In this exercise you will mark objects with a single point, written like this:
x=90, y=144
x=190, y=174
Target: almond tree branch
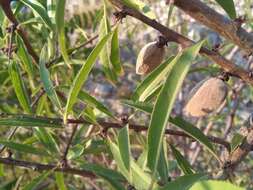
x=240, y=152
x=140, y=128
x=5, y=4
x=43, y=167
x=230, y=29
x=171, y=35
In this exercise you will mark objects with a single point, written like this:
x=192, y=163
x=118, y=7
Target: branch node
x=120, y=15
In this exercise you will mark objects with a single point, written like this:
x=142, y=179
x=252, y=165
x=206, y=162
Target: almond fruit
x=206, y=97
x=150, y=56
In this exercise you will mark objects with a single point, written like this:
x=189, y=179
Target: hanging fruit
x=150, y=56
x=207, y=96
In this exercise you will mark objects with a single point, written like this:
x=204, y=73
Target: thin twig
x=41, y=167
x=69, y=142
x=5, y=4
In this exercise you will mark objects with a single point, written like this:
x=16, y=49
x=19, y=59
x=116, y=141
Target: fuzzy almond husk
x=149, y=58
x=206, y=97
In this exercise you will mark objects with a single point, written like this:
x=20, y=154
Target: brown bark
x=223, y=25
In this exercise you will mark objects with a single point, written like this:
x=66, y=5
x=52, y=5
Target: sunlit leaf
x=60, y=181
x=23, y=148
x=38, y=8
x=83, y=74
x=213, y=185
x=228, y=6
x=124, y=146
x=19, y=87
x=59, y=20
x=183, y=182
x=45, y=78
x=182, y=162
x=165, y=101
x=28, y=121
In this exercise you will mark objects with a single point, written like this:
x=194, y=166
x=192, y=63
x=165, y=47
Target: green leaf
x=83, y=74
x=115, y=52
x=24, y=56
x=75, y=151
x=45, y=78
x=113, y=177
x=28, y=121
x=59, y=20
x=140, y=6
x=152, y=81
x=119, y=160
x=60, y=181
x=182, y=162
x=37, y=181
x=141, y=180
x=165, y=101
x=2, y=173
x=85, y=97
x=124, y=146
x=194, y=132
x=38, y=8
x=23, y=148
x=47, y=140
x=104, y=56
x=236, y=141
x=228, y=6
x=137, y=176
x=143, y=106
x=214, y=185
x=162, y=166
x=19, y=87
x=183, y=182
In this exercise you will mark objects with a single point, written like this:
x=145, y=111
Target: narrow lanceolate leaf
x=59, y=20
x=19, y=87
x=184, y=125
x=138, y=178
x=236, y=141
x=115, y=52
x=45, y=78
x=37, y=181
x=140, y=6
x=83, y=74
x=24, y=56
x=195, y=133
x=162, y=167
x=213, y=185
x=165, y=101
x=60, y=181
x=39, y=10
x=29, y=121
x=84, y=96
x=51, y=8
x=104, y=56
x=23, y=148
x=228, y=6
x=117, y=157
x=143, y=106
x=152, y=81
x=47, y=140
x=182, y=162
x=113, y=177
x=124, y=146
x=183, y=182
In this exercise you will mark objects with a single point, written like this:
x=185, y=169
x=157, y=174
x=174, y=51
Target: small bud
x=150, y=56
x=206, y=97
